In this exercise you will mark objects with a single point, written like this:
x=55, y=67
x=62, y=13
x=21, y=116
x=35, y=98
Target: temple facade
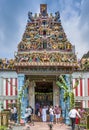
x=43, y=54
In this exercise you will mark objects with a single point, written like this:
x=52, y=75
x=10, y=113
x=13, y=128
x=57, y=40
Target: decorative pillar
x=55, y=94
x=67, y=104
x=62, y=103
x=31, y=92
x=24, y=99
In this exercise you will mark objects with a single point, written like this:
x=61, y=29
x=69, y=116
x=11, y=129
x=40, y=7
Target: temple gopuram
x=44, y=53
x=44, y=46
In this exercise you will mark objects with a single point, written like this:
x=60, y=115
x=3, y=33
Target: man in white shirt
x=44, y=114
x=72, y=114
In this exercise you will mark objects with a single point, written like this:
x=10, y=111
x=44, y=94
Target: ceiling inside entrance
x=42, y=78
x=45, y=87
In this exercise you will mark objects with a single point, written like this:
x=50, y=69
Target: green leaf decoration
x=67, y=93
x=63, y=80
x=60, y=85
x=72, y=99
x=76, y=84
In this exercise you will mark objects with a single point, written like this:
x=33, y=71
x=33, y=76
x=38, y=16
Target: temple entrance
x=44, y=93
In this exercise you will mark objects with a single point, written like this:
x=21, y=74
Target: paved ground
x=43, y=126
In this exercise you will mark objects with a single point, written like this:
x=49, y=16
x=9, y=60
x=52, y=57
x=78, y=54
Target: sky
x=14, y=15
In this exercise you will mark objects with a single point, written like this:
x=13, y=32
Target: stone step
x=43, y=126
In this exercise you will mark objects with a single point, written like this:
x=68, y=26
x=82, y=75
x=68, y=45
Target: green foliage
x=62, y=83
x=21, y=92
x=76, y=84
x=3, y=127
x=67, y=93
x=72, y=100
x=20, y=95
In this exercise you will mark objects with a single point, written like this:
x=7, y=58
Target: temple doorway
x=44, y=93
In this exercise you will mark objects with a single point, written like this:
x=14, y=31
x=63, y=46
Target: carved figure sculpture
x=57, y=16
x=30, y=17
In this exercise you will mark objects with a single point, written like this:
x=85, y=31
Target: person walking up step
x=72, y=114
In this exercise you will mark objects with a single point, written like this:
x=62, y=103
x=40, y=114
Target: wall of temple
x=9, y=83
x=82, y=91
x=8, y=88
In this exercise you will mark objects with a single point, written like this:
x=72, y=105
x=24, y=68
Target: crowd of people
x=42, y=112
x=52, y=114
x=47, y=114
x=45, y=111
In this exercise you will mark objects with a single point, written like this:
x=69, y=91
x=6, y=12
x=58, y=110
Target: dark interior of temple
x=44, y=93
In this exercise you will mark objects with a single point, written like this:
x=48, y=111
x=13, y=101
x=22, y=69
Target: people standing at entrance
x=51, y=114
x=28, y=113
x=37, y=108
x=40, y=113
x=44, y=114
x=57, y=111
x=72, y=114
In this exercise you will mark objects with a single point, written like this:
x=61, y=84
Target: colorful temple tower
x=43, y=54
